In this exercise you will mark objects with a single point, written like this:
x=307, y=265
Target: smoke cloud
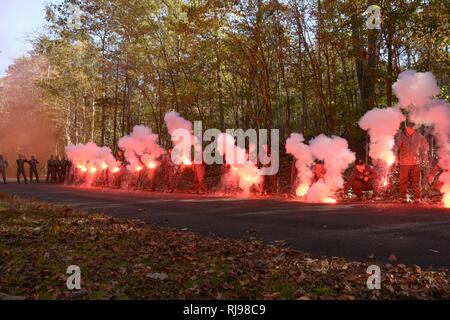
x=90, y=158
x=415, y=88
x=141, y=148
x=303, y=161
x=182, y=137
x=242, y=173
x=337, y=157
x=382, y=125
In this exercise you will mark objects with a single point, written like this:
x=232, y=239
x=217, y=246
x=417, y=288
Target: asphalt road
x=415, y=234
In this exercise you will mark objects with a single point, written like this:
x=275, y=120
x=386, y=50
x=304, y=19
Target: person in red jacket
x=411, y=149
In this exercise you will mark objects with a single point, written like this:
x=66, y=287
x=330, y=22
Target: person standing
x=21, y=160
x=410, y=148
x=3, y=167
x=170, y=172
x=33, y=169
x=65, y=166
x=50, y=164
x=57, y=170
x=199, y=177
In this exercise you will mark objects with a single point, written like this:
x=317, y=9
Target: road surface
x=415, y=234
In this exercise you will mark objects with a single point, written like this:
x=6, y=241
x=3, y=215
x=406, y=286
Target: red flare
x=446, y=200
x=302, y=190
x=187, y=162
x=82, y=168
x=151, y=165
x=329, y=200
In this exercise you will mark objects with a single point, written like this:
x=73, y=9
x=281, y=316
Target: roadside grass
x=124, y=259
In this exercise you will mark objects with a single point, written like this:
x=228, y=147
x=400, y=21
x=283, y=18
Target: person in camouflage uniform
x=33, y=169
x=3, y=167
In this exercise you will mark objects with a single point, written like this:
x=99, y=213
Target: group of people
x=146, y=178
x=56, y=169
x=411, y=149
x=21, y=171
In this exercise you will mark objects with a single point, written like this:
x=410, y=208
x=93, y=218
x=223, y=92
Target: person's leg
x=3, y=171
x=53, y=176
x=274, y=180
x=176, y=178
x=416, y=182
x=201, y=181
x=20, y=172
x=357, y=188
x=152, y=180
x=374, y=186
x=169, y=179
x=263, y=185
x=404, y=174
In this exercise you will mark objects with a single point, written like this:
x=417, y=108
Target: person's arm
x=397, y=145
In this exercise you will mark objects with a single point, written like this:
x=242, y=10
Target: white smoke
x=90, y=158
x=303, y=161
x=415, y=88
x=382, y=125
x=243, y=172
x=337, y=157
x=182, y=137
x=141, y=148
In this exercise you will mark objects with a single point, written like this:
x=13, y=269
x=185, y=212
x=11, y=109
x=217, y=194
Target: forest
x=100, y=67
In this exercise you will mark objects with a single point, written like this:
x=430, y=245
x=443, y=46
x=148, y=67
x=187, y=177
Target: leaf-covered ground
x=122, y=259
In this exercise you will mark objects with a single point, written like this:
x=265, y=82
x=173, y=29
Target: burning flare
x=302, y=190
x=446, y=200
x=151, y=165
